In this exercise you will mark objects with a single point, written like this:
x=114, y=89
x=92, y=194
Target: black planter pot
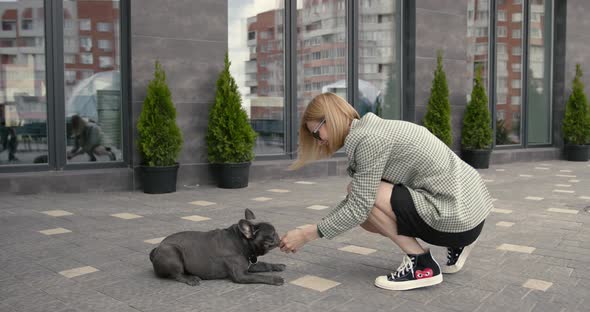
x=232, y=175
x=478, y=159
x=159, y=180
x=577, y=152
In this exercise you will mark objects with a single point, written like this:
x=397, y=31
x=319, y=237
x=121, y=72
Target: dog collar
x=253, y=259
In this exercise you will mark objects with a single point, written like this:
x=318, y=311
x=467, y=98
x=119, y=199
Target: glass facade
x=335, y=44
x=92, y=80
x=509, y=60
x=257, y=54
x=89, y=104
x=23, y=94
x=539, y=72
x=379, y=64
x=321, y=50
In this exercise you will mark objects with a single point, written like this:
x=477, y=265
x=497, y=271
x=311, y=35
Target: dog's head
x=262, y=235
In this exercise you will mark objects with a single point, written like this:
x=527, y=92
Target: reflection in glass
x=379, y=59
x=538, y=100
x=321, y=50
x=23, y=105
x=256, y=52
x=508, y=73
x=92, y=80
x=478, y=40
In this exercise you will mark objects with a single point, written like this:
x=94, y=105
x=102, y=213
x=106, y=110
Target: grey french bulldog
x=192, y=256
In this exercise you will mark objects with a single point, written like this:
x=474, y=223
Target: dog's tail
x=153, y=254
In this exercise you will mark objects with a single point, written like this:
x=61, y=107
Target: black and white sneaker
x=456, y=258
x=416, y=271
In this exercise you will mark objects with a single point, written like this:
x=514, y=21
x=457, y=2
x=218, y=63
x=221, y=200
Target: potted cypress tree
x=230, y=137
x=160, y=139
x=576, y=123
x=438, y=111
x=476, y=134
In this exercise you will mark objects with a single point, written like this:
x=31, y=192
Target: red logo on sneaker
x=426, y=273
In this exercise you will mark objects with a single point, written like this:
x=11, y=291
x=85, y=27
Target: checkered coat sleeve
x=449, y=195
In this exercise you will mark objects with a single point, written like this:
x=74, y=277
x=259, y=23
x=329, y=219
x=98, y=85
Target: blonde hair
x=338, y=115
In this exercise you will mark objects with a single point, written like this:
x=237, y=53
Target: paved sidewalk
x=533, y=254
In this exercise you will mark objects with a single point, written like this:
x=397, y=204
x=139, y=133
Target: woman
x=406, y=184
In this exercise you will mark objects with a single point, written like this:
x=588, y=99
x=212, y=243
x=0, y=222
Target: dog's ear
x=249, y=214
x=246, y=228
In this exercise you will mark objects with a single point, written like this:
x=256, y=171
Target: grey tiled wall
x=189, y=38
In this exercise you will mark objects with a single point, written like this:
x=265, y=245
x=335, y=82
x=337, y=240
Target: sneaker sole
x=450, y=269
x=384, y=283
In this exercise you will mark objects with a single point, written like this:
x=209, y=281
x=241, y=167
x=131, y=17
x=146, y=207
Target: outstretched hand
x=295, y=239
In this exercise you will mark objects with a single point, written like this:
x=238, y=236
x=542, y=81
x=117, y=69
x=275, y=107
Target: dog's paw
x=193, y=281
x=278, y=281
x=279, y=267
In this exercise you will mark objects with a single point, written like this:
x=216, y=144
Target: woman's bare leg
x=382, y=220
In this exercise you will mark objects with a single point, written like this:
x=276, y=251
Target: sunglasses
x=316, y=132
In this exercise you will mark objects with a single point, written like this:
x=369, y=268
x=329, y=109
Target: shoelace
x=407, y=265
x=453, y=253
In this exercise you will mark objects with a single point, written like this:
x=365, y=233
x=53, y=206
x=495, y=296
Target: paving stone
x=315, y=283
x=537, y=284
x=126, y=216
x=55, y=231
x=71, y=273
x=203, y=203
x=516, y=248
x=57, y=213
x=195, y=218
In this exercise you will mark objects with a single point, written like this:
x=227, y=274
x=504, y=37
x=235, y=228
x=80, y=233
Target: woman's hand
x=295, y=239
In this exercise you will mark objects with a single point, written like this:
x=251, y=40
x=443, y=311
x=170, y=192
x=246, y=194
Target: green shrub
x=438, y=111
x=477, y=132
x=576, y=124
x=230, y=137
x=160, y=139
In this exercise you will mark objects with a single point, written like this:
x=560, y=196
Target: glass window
x=85, y=24
x=105, y=45
x=103, y=27
x=23, y=103
x=501, y=16
x=379, y=62
x=86, y=43
x=501, y=31
x=478, y=43
x=92, y=89
x=256, y=38
x=509, y=81
x=539, y=82
x=517, y=17
x=311, y=43
x=516, y=34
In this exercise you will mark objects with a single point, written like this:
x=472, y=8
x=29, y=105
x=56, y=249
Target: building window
x=85, y=24
x=8, y=25
x=516, y=83
x=516, y=34
x=27, y=24
x=104, y=27
x=501, y=31
x=70, y=58
x=516, y=51
x=105, y=62
x=517, y=17
x=86, y=43
x=86, y=58
x=515, y=100
x=105, y=45
x=501, y=16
